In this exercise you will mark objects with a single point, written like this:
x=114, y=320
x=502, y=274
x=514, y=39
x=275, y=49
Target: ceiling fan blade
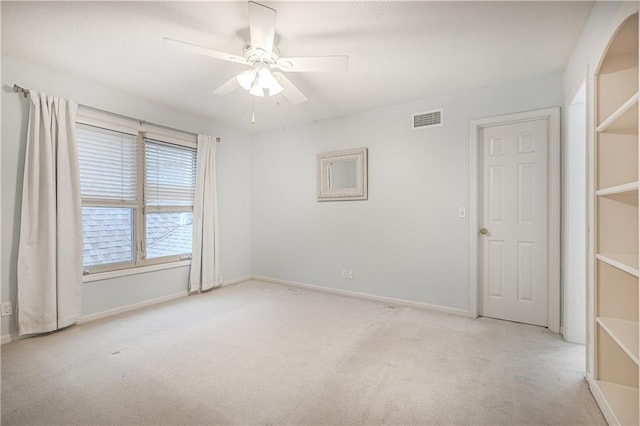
x=227, y=87
x=262, y=25
x=201, y=50
x=291, y=92
x=315, y=64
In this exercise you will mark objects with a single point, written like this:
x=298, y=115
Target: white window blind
x=107, y=161
x=170, y=174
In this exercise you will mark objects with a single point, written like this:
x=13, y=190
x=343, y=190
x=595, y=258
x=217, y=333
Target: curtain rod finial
x=218, y=140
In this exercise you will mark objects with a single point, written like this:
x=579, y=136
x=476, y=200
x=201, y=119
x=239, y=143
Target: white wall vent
x=427, y=119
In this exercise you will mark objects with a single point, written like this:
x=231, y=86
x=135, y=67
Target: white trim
x=566, y=322
x=236, y=280
x=603, y=404
x=552, y=115
x=187, y=140
x=115, y=311
x=591, y=222
x=99, y=315
x=473, y=219
x=149, y=302
x=109, y=121
x=384, y=299
x=99, y=276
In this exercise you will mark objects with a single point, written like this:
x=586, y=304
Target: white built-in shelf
x=618, y=189
x=614, y=351
x=625, y=262
x=622, y=120
x=624, y=333
x=622, y=400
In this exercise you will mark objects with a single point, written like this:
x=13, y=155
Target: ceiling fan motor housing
x=258, y=55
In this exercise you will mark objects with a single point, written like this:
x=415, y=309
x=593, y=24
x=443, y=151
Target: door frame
x=552, y=115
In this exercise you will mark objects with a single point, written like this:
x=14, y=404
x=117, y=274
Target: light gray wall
x=406, y=241
x=233, y=172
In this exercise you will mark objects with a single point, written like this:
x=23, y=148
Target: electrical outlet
x=350, y=274
x=344, y=274
x=6, y=309
x=462, y=212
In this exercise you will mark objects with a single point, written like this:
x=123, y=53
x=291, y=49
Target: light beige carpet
x=258, y=353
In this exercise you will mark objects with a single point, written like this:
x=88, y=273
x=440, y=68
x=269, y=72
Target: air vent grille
x=427, y=119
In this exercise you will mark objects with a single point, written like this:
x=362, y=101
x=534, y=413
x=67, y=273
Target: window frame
x=142, y=131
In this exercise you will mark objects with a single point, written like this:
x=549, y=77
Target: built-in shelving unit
x=615, y=333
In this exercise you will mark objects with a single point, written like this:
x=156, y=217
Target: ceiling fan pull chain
x=253, y=111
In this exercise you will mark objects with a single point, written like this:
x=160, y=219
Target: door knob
x=484, y=231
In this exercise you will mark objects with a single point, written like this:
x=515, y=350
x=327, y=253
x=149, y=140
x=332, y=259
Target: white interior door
x=513, y=221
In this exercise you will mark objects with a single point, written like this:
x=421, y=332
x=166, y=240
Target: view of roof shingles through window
x=108, y=231
x=107, y=235
x=168, y=234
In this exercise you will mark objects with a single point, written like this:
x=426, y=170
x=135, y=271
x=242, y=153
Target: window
x=169, y=185
x=137, y=196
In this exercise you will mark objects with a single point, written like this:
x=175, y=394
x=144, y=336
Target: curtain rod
x=25, y=92
x=19, y=89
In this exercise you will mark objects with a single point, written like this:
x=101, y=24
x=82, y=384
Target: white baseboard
x=384, y=299
x=145, y=303
x=8, y=338
x=99, y=315
x=104, y=314
x=236, y=280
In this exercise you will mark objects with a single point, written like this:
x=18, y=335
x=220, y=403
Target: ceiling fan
x=265, y=76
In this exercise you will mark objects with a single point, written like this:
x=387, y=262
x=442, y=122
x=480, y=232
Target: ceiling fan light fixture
x=246, y=79
x=256, y=89
x=261, y=53
x=268, y=81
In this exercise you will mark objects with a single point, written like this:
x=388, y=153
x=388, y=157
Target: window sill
x=99, y=276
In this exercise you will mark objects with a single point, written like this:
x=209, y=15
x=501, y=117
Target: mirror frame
x=359, y=192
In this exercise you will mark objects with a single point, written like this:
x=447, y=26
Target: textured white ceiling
x=399, y=51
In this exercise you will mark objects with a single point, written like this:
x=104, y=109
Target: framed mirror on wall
x=342, y=175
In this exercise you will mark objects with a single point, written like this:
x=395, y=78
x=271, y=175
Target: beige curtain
x=50, y=250
x=205, y=261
